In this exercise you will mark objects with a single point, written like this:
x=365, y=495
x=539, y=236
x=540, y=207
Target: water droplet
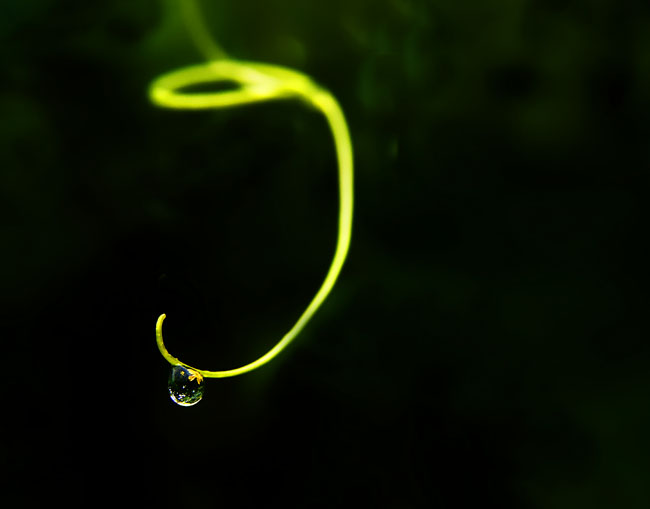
x=185, y=386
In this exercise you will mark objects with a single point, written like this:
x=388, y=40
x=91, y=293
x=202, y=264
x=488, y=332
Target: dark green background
x=487, y=341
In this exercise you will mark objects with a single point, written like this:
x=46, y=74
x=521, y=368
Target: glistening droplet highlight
x=185, y=386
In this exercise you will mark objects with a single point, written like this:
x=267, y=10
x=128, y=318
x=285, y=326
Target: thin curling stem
x=199, y=33
x=258, y=83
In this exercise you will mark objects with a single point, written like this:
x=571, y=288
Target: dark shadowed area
x=486, y=344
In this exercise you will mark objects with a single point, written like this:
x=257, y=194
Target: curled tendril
x=258, y=82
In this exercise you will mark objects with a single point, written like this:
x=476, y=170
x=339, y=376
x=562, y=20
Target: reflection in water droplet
x=185, y=386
